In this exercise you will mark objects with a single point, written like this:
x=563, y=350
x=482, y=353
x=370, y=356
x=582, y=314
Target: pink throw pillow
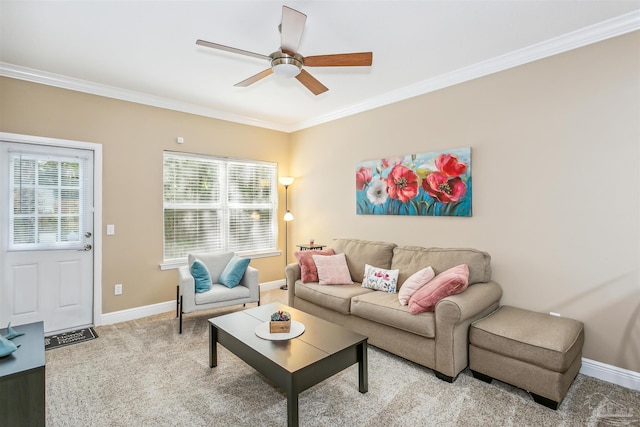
x=333, y=269
x=449, y=282
x=308, y=270
x=413, y=283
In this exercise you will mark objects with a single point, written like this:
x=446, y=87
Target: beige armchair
x=188, y=300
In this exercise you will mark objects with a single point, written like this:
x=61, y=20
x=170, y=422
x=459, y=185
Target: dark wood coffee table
x=323, y=350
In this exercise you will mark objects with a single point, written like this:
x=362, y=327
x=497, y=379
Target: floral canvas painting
x=429, y=184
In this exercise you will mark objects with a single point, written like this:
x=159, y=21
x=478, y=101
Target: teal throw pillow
x=201, y=276
x=233, y=272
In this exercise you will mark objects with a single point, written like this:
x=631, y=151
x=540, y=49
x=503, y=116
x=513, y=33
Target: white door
x=46, y=232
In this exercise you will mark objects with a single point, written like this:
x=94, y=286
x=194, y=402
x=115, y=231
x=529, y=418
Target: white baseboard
x=613, y=374
x=272, y=285
x=136, y=313
x=163, y=307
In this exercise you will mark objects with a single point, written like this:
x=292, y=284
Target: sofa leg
x=444, y=377
x=481, y=376
x=180, y=322
x=551, y=404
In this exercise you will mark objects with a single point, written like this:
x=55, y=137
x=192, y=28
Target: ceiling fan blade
x=231, y=49
x=291, y=29
x=359, y=59
x=311, y=83
x=251, y=80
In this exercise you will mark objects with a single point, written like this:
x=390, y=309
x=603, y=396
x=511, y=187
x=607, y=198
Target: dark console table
x=22, y=379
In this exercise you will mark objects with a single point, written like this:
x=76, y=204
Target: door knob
x=86, y=248
x=87, y=234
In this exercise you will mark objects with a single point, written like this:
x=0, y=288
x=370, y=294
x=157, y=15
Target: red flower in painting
x=443, y=189
x=363, y=177
x=402, y=183
x=450, y=165
x=391, y=161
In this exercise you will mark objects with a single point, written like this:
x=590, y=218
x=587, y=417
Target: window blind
x=48, y=203
x=215, y=204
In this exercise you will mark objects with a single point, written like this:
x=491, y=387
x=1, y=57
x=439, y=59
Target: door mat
x=68, y=338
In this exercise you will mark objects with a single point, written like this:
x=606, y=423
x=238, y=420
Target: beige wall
x=556, y=183
x=133, y=138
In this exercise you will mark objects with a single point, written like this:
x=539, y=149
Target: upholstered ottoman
x=533, y=351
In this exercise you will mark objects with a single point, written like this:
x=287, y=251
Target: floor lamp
x=286, y=181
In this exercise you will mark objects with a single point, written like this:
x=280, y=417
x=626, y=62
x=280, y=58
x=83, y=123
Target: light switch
x=111, y=229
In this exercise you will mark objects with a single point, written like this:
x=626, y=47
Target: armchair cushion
x=233, y=272
x=201, y=276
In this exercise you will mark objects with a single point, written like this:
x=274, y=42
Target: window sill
x=253, y=255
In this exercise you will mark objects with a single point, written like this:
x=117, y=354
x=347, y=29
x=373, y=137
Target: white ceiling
x=145, y=51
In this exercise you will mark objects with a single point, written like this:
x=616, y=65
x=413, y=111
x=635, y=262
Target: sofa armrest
x=453, y=315
x=250, y=280
x=291, y=273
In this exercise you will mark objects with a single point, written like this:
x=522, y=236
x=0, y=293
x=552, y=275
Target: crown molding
x=585, y=36
x=79, y=85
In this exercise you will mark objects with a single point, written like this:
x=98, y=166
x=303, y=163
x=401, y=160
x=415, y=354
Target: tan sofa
x=437, y=340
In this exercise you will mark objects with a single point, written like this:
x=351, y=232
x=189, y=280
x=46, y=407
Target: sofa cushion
x=384, y=308
x=334, y=297
x=361, y=252
x=332, y=269
x=449, y=282
x=409, y=259
x=413, y=283
x=380, y=279
x=308, y=269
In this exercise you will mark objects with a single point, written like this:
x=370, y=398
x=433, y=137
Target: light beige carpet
x=142, y=373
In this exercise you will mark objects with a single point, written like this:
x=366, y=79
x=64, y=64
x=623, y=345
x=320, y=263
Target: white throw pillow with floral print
x=380, y=279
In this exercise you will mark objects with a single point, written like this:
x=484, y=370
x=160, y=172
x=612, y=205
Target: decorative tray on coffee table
x=262, y=330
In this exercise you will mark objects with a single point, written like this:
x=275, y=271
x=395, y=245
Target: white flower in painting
x=377, y=192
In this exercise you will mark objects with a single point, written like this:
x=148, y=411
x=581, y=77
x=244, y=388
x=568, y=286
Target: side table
x=22, y=379
x=313, y=247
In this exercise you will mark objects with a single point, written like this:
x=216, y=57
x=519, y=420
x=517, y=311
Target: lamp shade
x=286, y=180
x=288, y=216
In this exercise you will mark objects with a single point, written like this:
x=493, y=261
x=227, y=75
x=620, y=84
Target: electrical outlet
x=118, y=289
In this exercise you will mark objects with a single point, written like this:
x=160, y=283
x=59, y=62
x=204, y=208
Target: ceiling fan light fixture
x=286, y=65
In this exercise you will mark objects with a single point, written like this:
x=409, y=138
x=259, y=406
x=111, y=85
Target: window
x=217, y=204
x=46, y=202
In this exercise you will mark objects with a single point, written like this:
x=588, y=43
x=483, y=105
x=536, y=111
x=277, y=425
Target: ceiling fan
x=287, y=62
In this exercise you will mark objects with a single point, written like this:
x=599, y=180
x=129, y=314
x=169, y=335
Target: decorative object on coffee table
x=280, y=322
x=263, y=331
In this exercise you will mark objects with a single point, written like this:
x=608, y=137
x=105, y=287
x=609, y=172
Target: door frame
x=97, y=203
